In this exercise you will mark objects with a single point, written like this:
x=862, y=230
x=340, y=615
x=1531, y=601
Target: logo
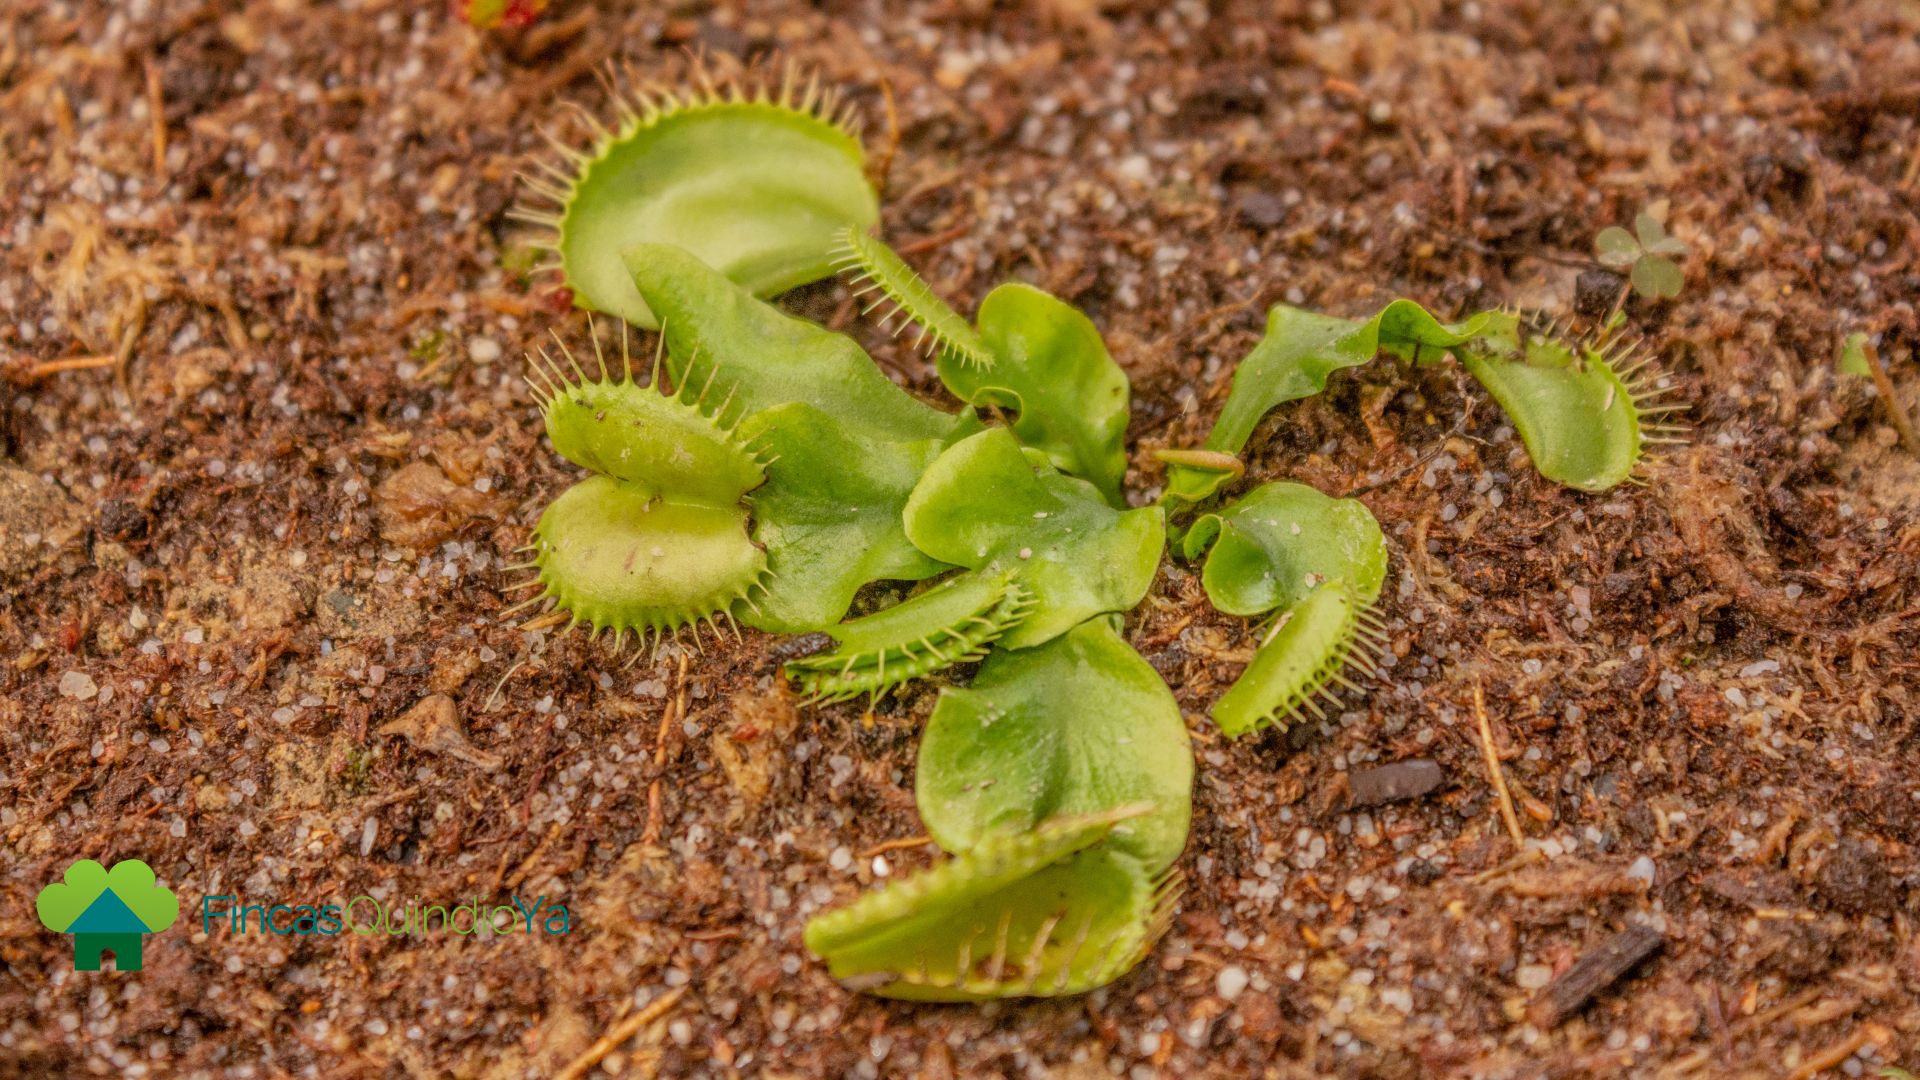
x=107, y=911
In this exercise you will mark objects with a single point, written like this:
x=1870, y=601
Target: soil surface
x=264, y=451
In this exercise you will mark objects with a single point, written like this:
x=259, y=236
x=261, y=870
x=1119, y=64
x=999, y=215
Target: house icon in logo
x=107, y=911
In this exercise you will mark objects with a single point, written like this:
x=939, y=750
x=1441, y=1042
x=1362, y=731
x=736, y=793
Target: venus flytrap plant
x=1075, y=726
x=765, y=357
x=987, y=506
x=1043, y=553
x=1293, y=360
x=847, y=445
x=784, y=472
x=754, y=180
x=771, y=494
x=879, y=272
x=1314, y=561
x=1587, y=413
x=1042, y=912
x=950, y=623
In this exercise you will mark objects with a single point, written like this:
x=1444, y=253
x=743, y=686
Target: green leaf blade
x=1294, y=359
x=982, y=504
x=881, y=269
x=1654, y=277
x=1040, y=913
x=1616, y=247
x=1575, y=414
x=1052, y=367
x=723, y=341
x=829, y=516
x=1074, y=726
x=1280, y=542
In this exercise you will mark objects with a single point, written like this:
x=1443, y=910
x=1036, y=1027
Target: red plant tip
x=488, y=14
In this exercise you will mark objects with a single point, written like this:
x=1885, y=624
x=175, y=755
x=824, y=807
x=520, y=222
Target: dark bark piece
x=1600, y=968
x=1596, y=291
x=1408, y=779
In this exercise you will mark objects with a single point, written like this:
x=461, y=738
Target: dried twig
x=882, y=169
x=676, y=709
x=896, y=845
x=157, y=111
x=621, y=1032
x=544, y=622
x=1526, y=858
x=1834, y=1055
x=1894, y=409
x=1494, y=772
x=71, y=363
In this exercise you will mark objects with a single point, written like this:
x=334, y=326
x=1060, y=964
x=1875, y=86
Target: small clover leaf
x=1647, y=253
x=1656, y=276
x=1616, y=247
x=985, y=504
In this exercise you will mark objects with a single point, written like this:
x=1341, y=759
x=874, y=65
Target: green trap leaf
x=755, y=182
x=1041, y=912
x=1293, y=360
x=1282, y=541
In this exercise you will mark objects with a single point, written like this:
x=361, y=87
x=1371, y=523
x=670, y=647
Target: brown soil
x=270, y=538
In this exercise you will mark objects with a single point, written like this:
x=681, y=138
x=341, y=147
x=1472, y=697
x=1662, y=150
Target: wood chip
x=433, y=725
x=1600, y=968
x=1395, y=782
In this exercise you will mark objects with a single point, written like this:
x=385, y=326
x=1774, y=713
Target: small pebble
x=77, y=685
x=1231, y=981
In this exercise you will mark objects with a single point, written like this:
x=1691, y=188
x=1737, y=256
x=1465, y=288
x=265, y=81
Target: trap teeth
x=948, y=624
x=802, y=150
x=1290, y=671
x=912, y=302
